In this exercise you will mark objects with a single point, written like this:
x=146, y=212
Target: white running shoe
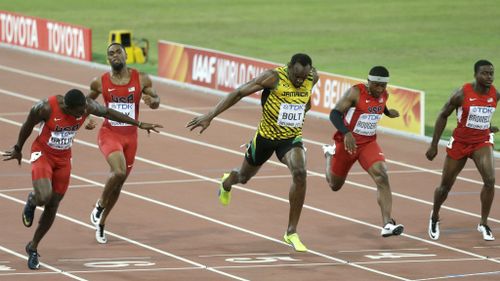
x=100, y=235
x=433, y=229
x=391, y=229
x=486, y=231
x=95, y=215
x=328, y=149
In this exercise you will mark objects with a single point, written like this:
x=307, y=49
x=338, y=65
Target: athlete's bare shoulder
x=95, y=88
x=41, y=110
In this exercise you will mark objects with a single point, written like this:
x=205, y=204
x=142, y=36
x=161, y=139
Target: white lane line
x=187, y=212
x=244, y=254
x=198, y=216
x=278, y=199
x=385, y=250
x=238, y=124
x=315, y=264
x=216, y=147
x=156, y=269
x=105, y=259
x=486, y=247
x=461, y=275
x=141, y=183
x=55, y=269
x=131, y=241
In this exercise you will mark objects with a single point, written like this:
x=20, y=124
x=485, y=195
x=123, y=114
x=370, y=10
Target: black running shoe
x=32, y=257
x=95, y=215
x=29, y=211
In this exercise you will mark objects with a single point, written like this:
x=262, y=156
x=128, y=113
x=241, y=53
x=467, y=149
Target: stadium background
x=426, y=45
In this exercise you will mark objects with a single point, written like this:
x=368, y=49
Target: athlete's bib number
x=291, y=115
x=61, y=140
x=367, y=124
x=479, y=117
x=125, y=108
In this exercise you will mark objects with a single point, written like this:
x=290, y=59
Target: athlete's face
x=298, y=73
x=117, y=57
x=77, y=111
x=376, y=88
x=485, y=75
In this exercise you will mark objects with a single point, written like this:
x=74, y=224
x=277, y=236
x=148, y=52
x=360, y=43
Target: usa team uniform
x=362, y=122
x=51, y=150
x=115, y=136
x=473, y=123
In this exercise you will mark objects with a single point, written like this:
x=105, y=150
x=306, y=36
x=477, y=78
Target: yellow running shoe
x=224, y=196
x=294, y=241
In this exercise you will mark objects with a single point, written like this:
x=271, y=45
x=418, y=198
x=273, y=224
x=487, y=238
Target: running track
x=168, y=224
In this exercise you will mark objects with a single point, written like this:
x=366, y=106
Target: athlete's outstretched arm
x=38, y=113
x=97, y=109
x=454, y=102
x=149, y=95
x=267, y=80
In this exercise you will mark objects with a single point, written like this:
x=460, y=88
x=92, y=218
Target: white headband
x=378, y=79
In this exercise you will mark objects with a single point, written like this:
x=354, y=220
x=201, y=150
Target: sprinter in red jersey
x=474, y=104
x=122, y=90
x=356, y=116
x=60, y=118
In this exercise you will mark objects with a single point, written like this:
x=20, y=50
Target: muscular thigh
x=342, y=161
x=61, y=175
x=130, y=150
x=284, y=146
x=109, y=142
x=41, y=166
x=369, y=154
x=259, y=150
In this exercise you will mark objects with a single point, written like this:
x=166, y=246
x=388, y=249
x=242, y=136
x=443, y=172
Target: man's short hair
x=480, y=63
x=379, y=70
x=303, y=59
x=117, y=44
x=74, y=98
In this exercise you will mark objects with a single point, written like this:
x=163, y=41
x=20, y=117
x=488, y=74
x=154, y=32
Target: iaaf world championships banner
x=225, y=72
x=46, y=35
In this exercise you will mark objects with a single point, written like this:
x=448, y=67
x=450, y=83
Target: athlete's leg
x=53, y=191
x=335, y=182
x=451, y=169
x=241, y=175
x=378, y=172
x=259, y=150
x=295, y=159
x=113, y=186
x=43, y=192
x=338, y=164
x=41, y=175
x=46, y=219
x=483, y=158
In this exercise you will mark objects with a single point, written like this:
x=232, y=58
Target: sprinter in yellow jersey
x=286, y=97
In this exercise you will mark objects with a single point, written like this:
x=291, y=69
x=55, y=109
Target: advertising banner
x=225, y=72
x=46, y=35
